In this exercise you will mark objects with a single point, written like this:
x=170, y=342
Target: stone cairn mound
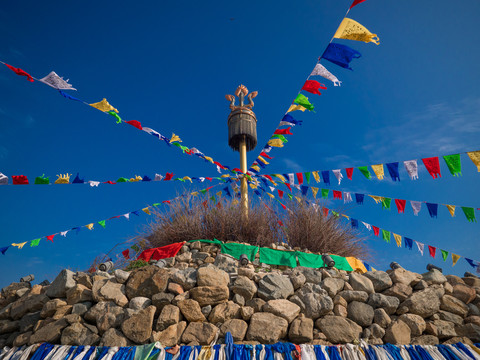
x=200, y=295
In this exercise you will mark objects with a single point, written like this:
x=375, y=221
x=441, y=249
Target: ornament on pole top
x=242, y=122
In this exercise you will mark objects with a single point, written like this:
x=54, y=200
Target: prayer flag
x=115, y=115
x=316, y=176
x=314, y=191
x=288, y=120
x=77, y=180
x=296, y=107
x=325, y=193
x=326, y=177
x=19, y=180
x=283, y=131
x=432, y=250
x=146, y=210
x=303, y=100
x=386, y=235
x=21, y=245
x=50, y=237
x=42, y=180
x=261, y=159
x=340, y=55
x=433, y=166
x=337, y=194
x=3, y=179
x=420, y=247
x=102, y=223
x=412, y=168
x=69, y=97
x=386, y=203
x=368, y=226
x=408, y=243
x=469, y=213
x=393, y=171
x=416, y=206
x=356, y=2
x=400, y=205
x=103, y=106
x=56, y=82
x=444, y=254
x=20, y=72
x=347, y=196
x=34, y=242
x=352, y=30
x=378, y=170
x=376, y=198
x=455, y=258
x=451, y=209
x=264, y=154
x=312, y=86
x=280, y=194
x=472, y=263
x=3, y=250
x=364, y=170
x=338, y=175
x=307, y=177
x=89, y=226
x=359, y=198
x=398, y=239
x=176, y=138
x=432, y=209
x=349, y=172
x=325, y=212
x=376, y=230
x=274, y=143
x=320, y=70
x=454, y=164
x=354, y=223
x=475, y=157
x=290, y=196
x=126, y=254
x=300, y=178
x=304, y=190
x=135, y=123
x=168, y=176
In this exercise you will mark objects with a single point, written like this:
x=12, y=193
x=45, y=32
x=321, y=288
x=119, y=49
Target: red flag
x=218, y=164
x=110, y=182
x=312, y=86
x=283, y=206
x=209, y=178
x=432, y=250
x=168, y=176
x=126, y=254
x=237, y=170
x=337, y=194
x=280, y=222
x=400, y=205
x=19, y=180
x=50, y=237
x=349, y=173
x=283, y=131
x=280, y=194
x=264, y=154
x=268, y=177
x=356, y=2
x=325, y=212
x=289, y=187
x=376, y=230
x=205, y=204
x=19, y=71
x=300, y=178
x=135, y=123
x=433, y=166
x=166, y=202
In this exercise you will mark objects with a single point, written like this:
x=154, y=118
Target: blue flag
x=432, y=209
x=359, y=198
x=326, y=177
x=3, y=250
x=304, y=190
x=354, y=223
x=77, y=180
x=393, y=171
x=65, y=95
x=146, y=178
x=340, y=55
x=408, y=243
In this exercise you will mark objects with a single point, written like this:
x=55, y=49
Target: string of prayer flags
x=313, y=86
x=355, y=3
x=320, y=70
x=303, y=101
x=433, y=166
x=103, y=106
x=20, y=72
x=56, y=82
x=340, y=55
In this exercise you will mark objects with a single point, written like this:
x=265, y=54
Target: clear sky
x=169, y=65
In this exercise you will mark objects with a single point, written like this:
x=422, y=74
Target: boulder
x=201, y=333
x=256, y=304
x=297, y=278
x=332, y=286
x=339, y=330
x=471, y=281
x=376, y=331
x=313, y=305
x=50, y=333
x=400, y=291
x=380, y=280
x=51, y=307
x=398, y=333
x=138, y=327
x=81, y=308
x=171, y=335
x=161, y=299
x=226, y=263
x=473, y=319
x=109, y=290
x=191, y=310
x=301, y=330
x=224, y=312
x=28, y=304
x=237, y=327
x=424, y=303
x=121, y=276
x=415, y=322
x=139, y=303
x=84, y=279
x=340, y=310
x=282, y=308
x=210, y=295
x=454, y=305
x=360, y=313
x=448, y=316
x=169, y=315
x=381, y=318
x=434, y=277
x=7, y=326
x=62, y=311
x=175, y=288
x=470, y=330
x=22, y=339
x=77, y=334
x=260, y=322
x=79, y=293
x=361, y=283
x=400, y=275
x=445, y=329
x=63, y=282
x=275, y=286
x=212, y=276
x=146, y=281
x=463, y=293
x=113, y=337
x=312, y=276
x=245, y=287
x=388, y=303
x=12, y=289
x=350, y=295
x=28, y=321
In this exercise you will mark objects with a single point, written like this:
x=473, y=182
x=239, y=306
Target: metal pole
x=243, y=184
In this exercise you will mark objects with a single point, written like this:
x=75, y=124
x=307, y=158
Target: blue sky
x=169, y=65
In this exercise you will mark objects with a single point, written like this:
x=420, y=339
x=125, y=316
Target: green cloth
x=42, y=180
x=454, y=164
x=290, y=196
x=386, y=203
x=142, y=352
x=102, y=223
x=325, y=193
x=135, y=247
x=278, y=257
x=35, y=242
x=341, y=263
x=307, y=177
x=303, y=101
x=310, y=260
x=116, y=116
x=236, y=250
x=364, y=170
x=214, y=241
x=122, y=179
x=386, y=235
x=157, y=204
x=469, y=213
x=444, y=254
x=213, y=198
x=334, y=213
x=279, y=136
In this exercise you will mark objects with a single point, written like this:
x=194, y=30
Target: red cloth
x=19, y=71
x=280, y=194
x=300, y=178
x=349, y=173
x=312, y=86
x=163, y=252
x=205, y=204
x=432, y=250
x=166, y=202
x=264, y=154
x=110, y=182
x=280, y=222
x=376, y=230
x=208, y=188
x=209, y=179
x=135, y=123
x=50, y=237
x=237, y=170
x=283, y=131
x=400, y=205
x=126, y=254
x=325, y=212
x=168, y=176
x=433, y=166
x=356, y=2
x=218, y=164
x=19, y=180
x=283, y=206
x=289, y=187
x=268, y=177
x=337, y=194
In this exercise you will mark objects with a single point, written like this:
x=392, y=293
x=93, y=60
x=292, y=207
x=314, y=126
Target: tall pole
x=243, y=184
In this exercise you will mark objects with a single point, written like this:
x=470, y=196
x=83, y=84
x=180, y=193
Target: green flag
x=310, y=260
x=279, y=136
x=325, y=193
x=386, y=203
x=135, y=247
x=102, y=223
x=122, y=179
x=334, y=213
x=341, y=263
x=236, y=250
x=278, y=257
x=364, y=170
x=444, y=254
x=42, y=180
x=35, y=242
x=116, y=116
x=386, y=235
x=469, y=213
x=307, y=177
x=303, y=100
x=290, y=196
x=204, y=191
x=156, y=204
x=454, y=164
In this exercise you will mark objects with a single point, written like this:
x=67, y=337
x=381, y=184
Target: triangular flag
x=325, y=193
x=103, y=106
x=376, y=230
x=175, y=138
x=416, y=206
x=56, y=82
x=102, y=223
x=325, y=212
x=378, y=199
x=338, y=175
x=368, y=226
x=433, y=166
x=355, y=3
x=420, y=247
x=146, y=210
x=451, y=209
x=352, y=30
x=364, y=170
x=340, y=55
x=89, y=226
x=21, y=245
x=3, y=250
x=379, y=171
x=303, y=100
x=455, y=258
x=316, y=176
x=454, y=164
x=359, y=198
x=386, y=203
x=34, y=242
x=307, y=177
x=20, y=72
x=412, y=168
x=432, y=250
x=444, y=254
x=126, y=254
x=393, y=171
x=386, y=235
x=408, y=243
x=296, y=107
x=312, y=86
x=398, y=239
x=347, y=196
x=400, y=205
x=469, y=213
x=475, y=157
x=314, y=191
x=50, y=237
x=337, y=194
x=322, y=71
x=274, y=143
x=432, y=209
x=349, y=172
x=135, y=123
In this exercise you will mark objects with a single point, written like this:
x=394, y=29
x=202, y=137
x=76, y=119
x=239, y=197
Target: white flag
x=64, y=233
x=322, y=71
x=127, y=216
x=56, y=82
x=412, y=168
x=158, y=177
x=368, y=226
x=94, y=183
x=3, y=179
x=291, y=178
x=347, y=197
x=420, y=247
x=416, y=206
x=338, y=175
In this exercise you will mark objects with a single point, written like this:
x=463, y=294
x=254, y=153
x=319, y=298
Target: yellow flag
x=475, y=157
x=19, y=245
x=225, y=176
x=378, y=170
x=275, y=142
x=378, y=199
x=263, y=160
x=208, y=158
x=455, y=258
x=253, y=186
x=256, y=167
x=352, y=30
x=451, y=208
x=146, y=211
x=346, y=216
x=281, y=177
x=137, y=178
x=89, y=226
x=314, y=191
x=316, y=176
x=187, y=178
x=234, y=202
x=104, y=106
x=63, y=179
x=195, y=193
x=398, y=239
x=299, y=199
x=296, y=107
x=175, y=138
x=271, y=195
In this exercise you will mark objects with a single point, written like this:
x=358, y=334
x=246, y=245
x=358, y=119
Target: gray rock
x=380, y=279
x=332, y=286
x=256, y=304
x=238, y=329
x=212, y=276
x=224, y=312
x=191, y=310
x=350, y=295
x=275, y=286
x=28, y=304
x=470, y=330
x=206, y=310
x=210, y=295
x=400, y=291
x=453, y=305
x=161, y=299
x=7, y=326
x=388, y=303
x=81, y=308
x=121, y=276
x=170, y=336
x=50, y=333
x=421, y=285
x=376, y=331
x=277, y=328
x=77, y=334
x=400, y=275
x=113, y=337
x=226, y=263
x=169, y=315
x=298, y=279
x=201, y=333
x=146, y=281
x=361, y=283
x=445, y=329
x=398, y=333
x=424, y=303
x=312, y=276
x=28, y=321
x=301, y=330
x=313, y=305
x=448, y=316
x=63, y=282
x=282, y=308
x=138, y=327
x=110, y=290
x=381, y=318
x=425, y=340
x=339, y=330
x=238, y=299
x=139, y=303
x=360, y=313
x=246, y=312
x=79, y=293
x=245, y=287
x=415, y=322
x=51, y=307
x=12, y=289
x=434, y=277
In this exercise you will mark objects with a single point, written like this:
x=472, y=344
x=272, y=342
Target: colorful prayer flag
x=320, y=70
x=451, y=209
x=454, y=164
x=34, y=242
x=355, y=3
x=432, y=209
x=412, y=168
x=303, y=101
x=400, y=205
x=296, y=107
x=433, y=166
x=19, y=180
x=432, y=250
x=103, y=106
x=135, y=123
x=398, y=239
x=102, y=223
x=340, y=55
x=20, y=72
x=126, y=254
x=475, y=157
x=386, y=235
x=352, y=30
x=364, y=170
x=56, y=82
x=444, y=254
x=378, y=170
x=274, y=143
x=455, y=258
x=313, y=86
x=469, y=213
x=393, y=171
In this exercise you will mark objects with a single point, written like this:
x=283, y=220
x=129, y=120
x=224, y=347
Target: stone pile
x=201, y=295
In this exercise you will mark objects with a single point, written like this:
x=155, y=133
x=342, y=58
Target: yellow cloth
x=455, y=258
x=104, y=106
x=219, y=194
x=187, y=178
x=299, y=199
x=234, y=202
x=146, y=211
x=263, y=160
x=281, y=177
x=314, y=191
x=296, y=107
x=356, y=264
x=346, y=216
x=475, y=157
x=89, y=226
x=19, y=245
x=253, y=186
x=175, y=138
x=398, y=239
x=256, y=167
x=378, y=170
x=271, y=195
x=378, y=199
x=451, y=208
x=352, y=30
x=205, y=353
x=63, y=179
x=136, y=178
x=195, y=193
x=225, y=176
x=208, y=158
x=316, y=176
x=275, y=142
